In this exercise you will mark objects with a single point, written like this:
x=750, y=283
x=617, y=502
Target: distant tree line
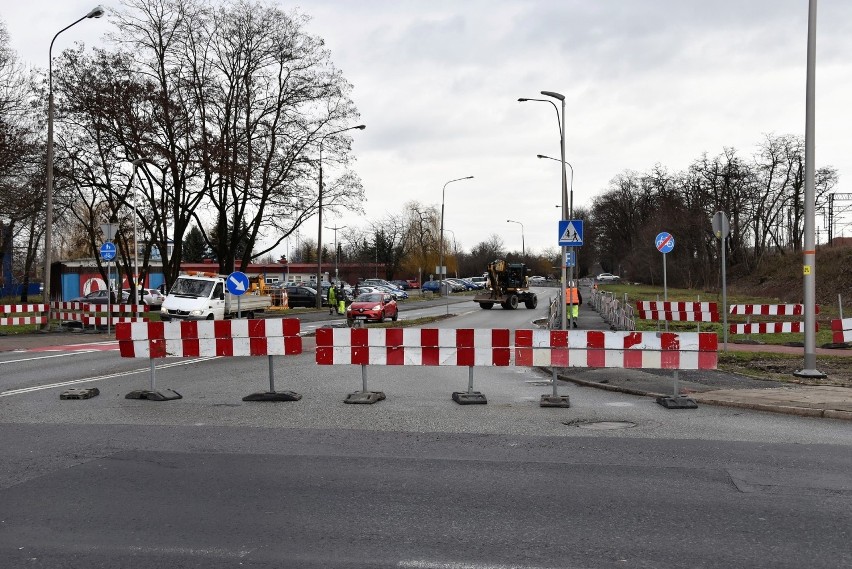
x=762, y=196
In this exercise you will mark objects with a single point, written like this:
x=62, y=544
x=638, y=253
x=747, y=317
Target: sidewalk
x=715, y=387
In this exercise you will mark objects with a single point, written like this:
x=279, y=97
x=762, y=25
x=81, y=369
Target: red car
x=372, y=306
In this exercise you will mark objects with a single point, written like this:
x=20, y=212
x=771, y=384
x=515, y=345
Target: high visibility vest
x=572, y=296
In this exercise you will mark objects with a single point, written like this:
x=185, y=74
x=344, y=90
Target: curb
x=703, y=398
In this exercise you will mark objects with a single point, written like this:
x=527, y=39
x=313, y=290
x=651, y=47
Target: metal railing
x=620, y=315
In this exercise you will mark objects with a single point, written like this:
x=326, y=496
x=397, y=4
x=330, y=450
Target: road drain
x=601, y=425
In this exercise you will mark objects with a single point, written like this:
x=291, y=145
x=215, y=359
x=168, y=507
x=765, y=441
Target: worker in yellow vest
x=573, y=300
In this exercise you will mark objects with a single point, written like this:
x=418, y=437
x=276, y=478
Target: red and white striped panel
x=619, y=349
x=770, y=309
x=69, y=305
x=22, y=308
x=678, y=311
x=118, y=308
x=413, y=346
x=769, y=328
x=103, y=320
x=68, y=316
x=208, y=338
x=22, y=320
x=841, y=330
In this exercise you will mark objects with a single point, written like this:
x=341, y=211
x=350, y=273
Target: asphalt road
x=413, y=481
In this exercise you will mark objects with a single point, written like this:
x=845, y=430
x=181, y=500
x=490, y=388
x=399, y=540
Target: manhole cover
x=606, y=425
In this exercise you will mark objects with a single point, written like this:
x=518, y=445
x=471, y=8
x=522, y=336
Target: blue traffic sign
x=664, y=242
x=108, y=251
x=237, y=283
x=570, y=259
x=570, y=232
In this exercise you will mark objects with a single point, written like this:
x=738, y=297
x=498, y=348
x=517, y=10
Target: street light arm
x=559, y=124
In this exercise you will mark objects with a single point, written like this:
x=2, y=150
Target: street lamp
x=335, y=228
x=319, y=211
x=567, y=206
x=523, y=247
x=97, y=12
x=441, y=239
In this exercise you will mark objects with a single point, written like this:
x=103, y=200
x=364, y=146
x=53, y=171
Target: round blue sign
x=664, y=242
x=237, y=283
x=108, y=251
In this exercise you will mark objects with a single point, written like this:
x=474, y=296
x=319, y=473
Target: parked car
x=604, y=277
x=456, y=285
x=383, y=282
x=479, y=280
x=472, y=285
x=100, y=297
x=394, y=292
x=300, y=296
x=148, y=296
x=372, y=306
x=404, y=285
x=431, y=286
x=413, y=283
x=537, y=279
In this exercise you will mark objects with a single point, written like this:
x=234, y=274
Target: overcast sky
x=645, y=82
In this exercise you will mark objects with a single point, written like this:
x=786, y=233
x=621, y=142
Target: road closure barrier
x=414, y=347
x=211, y=338
x=24, y=314
x=769, y=327
x=698, y=312
x=841, y=330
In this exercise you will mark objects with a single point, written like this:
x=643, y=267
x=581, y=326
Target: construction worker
x=573, y=300
x=341, y=300
x=332, y=300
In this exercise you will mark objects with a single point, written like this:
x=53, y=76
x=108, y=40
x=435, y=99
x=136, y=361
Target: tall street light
x=319, y=211
x=523, y=247
x=97, y=12
x=335, y=228
x=135, y=298
x=567, y=207
x=441, y=238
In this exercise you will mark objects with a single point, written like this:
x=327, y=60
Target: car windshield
x=192, y=287
x=370, y=297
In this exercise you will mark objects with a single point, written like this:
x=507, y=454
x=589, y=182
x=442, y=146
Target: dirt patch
x=837, y=370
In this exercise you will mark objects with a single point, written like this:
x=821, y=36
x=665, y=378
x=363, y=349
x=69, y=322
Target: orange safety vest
x=572, y=296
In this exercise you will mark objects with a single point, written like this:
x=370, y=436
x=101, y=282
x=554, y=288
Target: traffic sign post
x=570, y=259
x=238, y=284
x=665, y=244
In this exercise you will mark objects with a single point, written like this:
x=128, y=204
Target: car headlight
x=196, y=313
x=377, y=307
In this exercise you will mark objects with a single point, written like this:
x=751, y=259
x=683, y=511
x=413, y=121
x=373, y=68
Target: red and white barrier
x=678, y=311
x=23, y=309
x=413, y=346
x=617, y=349
x=769, y=328
x=209, y=338
x=770, y=309
x=841, y=330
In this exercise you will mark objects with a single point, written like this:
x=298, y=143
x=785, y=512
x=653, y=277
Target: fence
x=618, y=314
x=841, y=330
x=209, y=338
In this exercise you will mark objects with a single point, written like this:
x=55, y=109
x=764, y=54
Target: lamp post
x=96, y=12
x=319, y=211
x=441, y=237
x=567, y=207
x=336, y=256
x=523, y=247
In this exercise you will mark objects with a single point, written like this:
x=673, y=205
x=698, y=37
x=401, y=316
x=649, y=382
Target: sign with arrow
x=237, y=283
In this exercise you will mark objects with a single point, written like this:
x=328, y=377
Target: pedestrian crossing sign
x=570, y=232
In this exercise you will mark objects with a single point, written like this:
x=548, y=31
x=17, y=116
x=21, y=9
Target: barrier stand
x=554, y=399
x=469, y=397
x=272, y=395
x=365, y=396
x=678, y=312
x=152, y=394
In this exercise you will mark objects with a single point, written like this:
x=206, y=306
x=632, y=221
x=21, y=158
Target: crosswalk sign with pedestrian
x=570, y=232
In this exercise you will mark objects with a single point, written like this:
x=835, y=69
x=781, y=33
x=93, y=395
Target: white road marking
x=62, y=355
x=99, y=378
x=423, y=564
